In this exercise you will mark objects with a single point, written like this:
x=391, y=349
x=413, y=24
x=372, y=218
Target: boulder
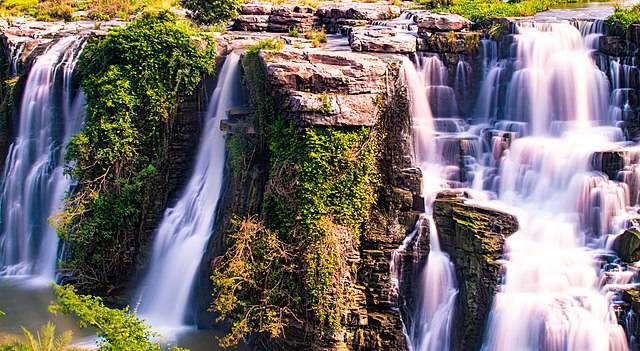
x=381, y=40
x=627, y=245
x=285, y=17
x=474, y=237
x=443, y=22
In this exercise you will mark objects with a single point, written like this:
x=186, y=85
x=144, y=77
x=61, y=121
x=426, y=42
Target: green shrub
x=118, y=329
x=627, y=16
x=213, y=11
x=44, y=340
x=293, y=32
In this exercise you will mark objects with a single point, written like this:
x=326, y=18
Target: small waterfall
x=184, y=231
x=33, y=184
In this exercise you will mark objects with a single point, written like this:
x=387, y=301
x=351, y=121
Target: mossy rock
x=627, y=245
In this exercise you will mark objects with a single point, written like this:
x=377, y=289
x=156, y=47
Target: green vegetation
x=477, y=10
x=213, y=11
x=293, y=32
x=44, y=340
x=289, y=261
x=101, y=10
x=625, y=14
x=119, y=330
x=317, y=37
x=133, y=80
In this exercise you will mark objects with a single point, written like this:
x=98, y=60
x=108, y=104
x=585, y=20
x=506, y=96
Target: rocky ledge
x=473, y=236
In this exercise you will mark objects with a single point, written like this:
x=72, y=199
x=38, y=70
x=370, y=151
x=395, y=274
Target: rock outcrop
x=473, y=236
x=315, y=87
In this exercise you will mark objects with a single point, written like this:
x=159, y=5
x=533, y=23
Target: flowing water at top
x=183, y=234
x=536, y=154
x=33, y=185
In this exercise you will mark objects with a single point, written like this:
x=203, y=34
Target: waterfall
x=185, y=229
x=543, y=118
x=33, y=185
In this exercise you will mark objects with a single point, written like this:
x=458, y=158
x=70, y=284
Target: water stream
x=184, y=231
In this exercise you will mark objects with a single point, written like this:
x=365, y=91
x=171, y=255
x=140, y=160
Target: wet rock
x=443, y=22
x=627, y=245
x=473, y=236
x=608, y=162
x=614, y=45
x=381, y=40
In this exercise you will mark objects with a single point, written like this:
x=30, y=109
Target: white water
x=33, y=184
x=536, y=159
x=429, y=328
x=183, y=234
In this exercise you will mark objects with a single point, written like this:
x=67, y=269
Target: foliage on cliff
x=133, y=80
x=627, y=15
x=477, y=10
x=290, y=262
x=117, y=329
x=213, y=11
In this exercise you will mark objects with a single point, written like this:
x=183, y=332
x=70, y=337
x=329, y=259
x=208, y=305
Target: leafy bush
x=626, y=15
x=133, y=79
x=118, y=329
x=213, y=11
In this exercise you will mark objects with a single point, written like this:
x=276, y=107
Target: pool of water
x=25, y=302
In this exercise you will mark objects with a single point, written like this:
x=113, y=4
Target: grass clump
x=477, y=10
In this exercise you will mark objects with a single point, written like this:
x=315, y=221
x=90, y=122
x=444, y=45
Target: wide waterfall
x=183, y=234
x=529, y=152
x=33, y=185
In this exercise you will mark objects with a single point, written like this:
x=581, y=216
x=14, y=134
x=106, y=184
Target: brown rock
x=443, y=22
x=257, y=8
x=381, y=40
x=252, y=23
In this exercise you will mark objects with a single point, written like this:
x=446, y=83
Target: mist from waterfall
x=33, y=185
x=185, y=229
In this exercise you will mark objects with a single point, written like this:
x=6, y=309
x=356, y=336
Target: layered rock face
x=473, y=236
x=314, y=87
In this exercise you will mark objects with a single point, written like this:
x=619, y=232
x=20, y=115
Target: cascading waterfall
x=552, y=298
x=33, y=184
x=184, y=231
x=534, y=152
